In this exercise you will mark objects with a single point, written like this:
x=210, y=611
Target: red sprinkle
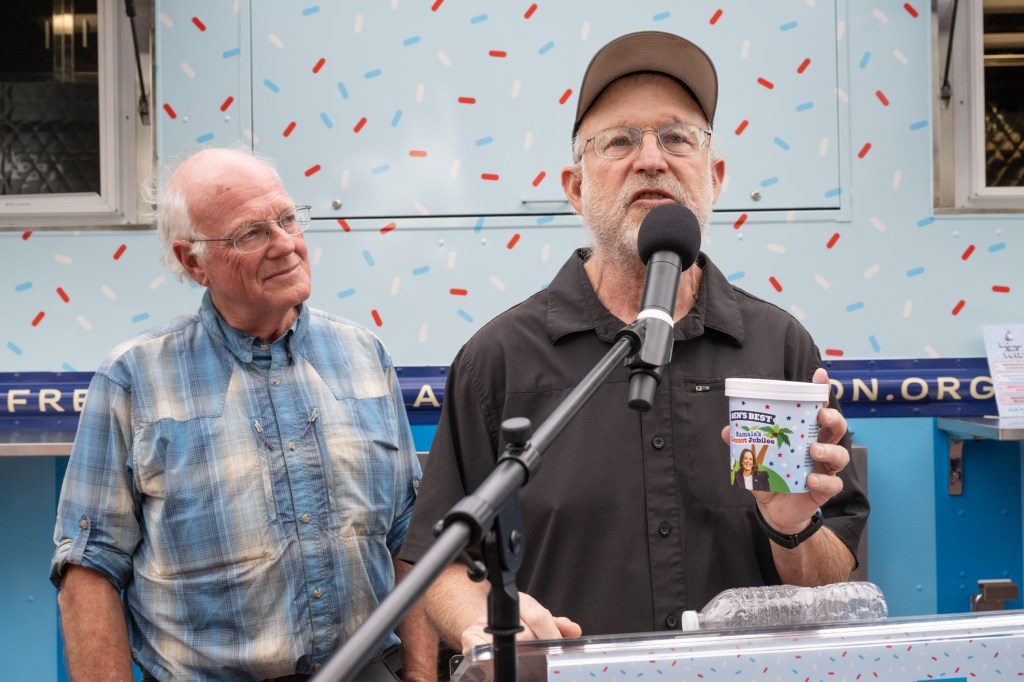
x=344, y=225
x=540, y=178
x=63, y=294
x=803, y=65
x=38, y=318
x=530, y=11
x=775, y=283
x=457, y=292
x=959, y=306
x=227, y=103
x=834, y=352
x=999, y=289
x=739, y=221
x=488, y=176
x=565, y=96
x=742, y=126
x=417, y=152
x=120, y=251
x=882, y=98
x=501, y=54
x=359, y=126
x=832, y=241
x=376, y=315
x=864, y=150
x=910, y=9
x=289, y=129
x=312, y=170
x=200, y=25
x=766, y=83
x=25, y=235
x=319, y=65
x=467, y=100
x=967, y=252
x=715, y=17
x=170, y=111
x=437, y=3
x=512, y=242
x=388, y=228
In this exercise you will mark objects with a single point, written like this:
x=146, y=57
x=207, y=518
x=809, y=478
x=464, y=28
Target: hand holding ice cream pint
x=771, y=427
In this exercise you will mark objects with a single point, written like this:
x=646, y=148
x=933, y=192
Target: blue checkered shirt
x=246, y=496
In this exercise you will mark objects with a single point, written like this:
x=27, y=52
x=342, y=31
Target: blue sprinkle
x=865, y=59
x=805, y=106
x=411, y=41
x=349, y=292
x=479, y=224
x=768, y=182
x=546, y=47
x=484, y=140
x=326, y=119
x=464, y=315
x=313, y=9
x=736, y=275
x=380, y=169
x=421, y=270
x=918, y=125
x=231, y=53
x=368, y=258
x=834, y=192
x=140, y=317
x=204, y=138
x=874, y=344
x=23, y=286
x=854, y=306
x=271, y=85
x=342, y=90
x=925, y=222
x=545, y=219
x=781, y=143
x=788, y=26
x=68, y=368
x=14, y=349
x=396, y=118
x=478, y=18
x=999, y=246
x=914, y=272
x=372, y=74
x=661, y=16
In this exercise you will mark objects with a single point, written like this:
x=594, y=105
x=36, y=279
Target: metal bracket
x=992, y=594
x=956, y=466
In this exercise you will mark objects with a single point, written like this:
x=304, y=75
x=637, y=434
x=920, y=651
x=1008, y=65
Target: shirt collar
x=241, y=344
x=573, y=305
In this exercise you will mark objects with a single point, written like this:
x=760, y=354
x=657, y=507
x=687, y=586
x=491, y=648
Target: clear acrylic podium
x=970, y=646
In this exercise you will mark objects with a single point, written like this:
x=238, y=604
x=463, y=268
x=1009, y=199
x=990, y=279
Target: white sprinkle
x=188, y=70
x=908, y=306
x=275, y=41
x=420, y=208
x=84, y=323
x=545, y=253
x=528, y=140
x=745, y=49
x=822, y=282
x=880, y=15
x=931, y=352
x=65, y=260
x=517, y=85
x=421, y=89
x=900, y=57
x=841, y=95
x=897, y=176
x=823, y=147
x=872, y=271
x=318, y=253
x=585, y=30
x=157, y=282
x=455, y=168
x=797, y=313
x=840, y=29
x=108, y=292
x=166, y=20
x=790, y=216
x=451, y=259
x=346, y=175
x=395, y=283
x=776, y=248
x=445, y=59
x=879, y=225
x=498, y=284
x=423, y=333
x=358, y=27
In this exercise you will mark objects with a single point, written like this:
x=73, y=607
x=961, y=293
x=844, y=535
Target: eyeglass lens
x=679, y=139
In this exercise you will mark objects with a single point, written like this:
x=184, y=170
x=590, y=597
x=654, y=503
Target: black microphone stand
x=491, y=517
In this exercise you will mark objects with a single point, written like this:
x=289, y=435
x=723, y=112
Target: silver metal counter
x=36, y=443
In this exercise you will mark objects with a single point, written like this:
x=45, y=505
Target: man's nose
x=650, y=155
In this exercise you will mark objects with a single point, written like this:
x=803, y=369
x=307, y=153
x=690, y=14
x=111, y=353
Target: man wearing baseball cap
x=632, y=520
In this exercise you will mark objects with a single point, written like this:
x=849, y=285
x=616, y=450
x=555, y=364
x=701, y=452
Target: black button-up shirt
x=631, y=518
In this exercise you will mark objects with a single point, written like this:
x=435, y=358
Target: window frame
x=959, y=138
x=126, y=144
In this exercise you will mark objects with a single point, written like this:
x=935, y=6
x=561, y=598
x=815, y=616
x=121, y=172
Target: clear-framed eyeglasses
x=678, y=139
x=254, y=236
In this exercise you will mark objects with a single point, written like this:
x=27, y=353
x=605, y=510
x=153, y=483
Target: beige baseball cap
x=651, y=52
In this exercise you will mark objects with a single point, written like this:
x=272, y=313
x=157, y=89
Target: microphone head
x=669, y=227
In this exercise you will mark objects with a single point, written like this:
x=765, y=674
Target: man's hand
x=791, y=512
x=537, y=622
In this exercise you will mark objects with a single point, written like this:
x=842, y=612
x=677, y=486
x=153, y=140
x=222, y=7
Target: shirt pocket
x=207, y=501
x=703, y=411
x=360, y=451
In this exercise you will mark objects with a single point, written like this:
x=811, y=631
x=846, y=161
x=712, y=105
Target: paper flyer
x=1004, y=347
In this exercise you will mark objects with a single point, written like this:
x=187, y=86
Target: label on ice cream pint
x=771, y=427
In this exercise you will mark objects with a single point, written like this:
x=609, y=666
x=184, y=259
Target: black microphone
x=668, y=242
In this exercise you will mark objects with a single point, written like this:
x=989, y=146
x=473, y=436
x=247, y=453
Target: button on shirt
x=631, y=519
x=246, y=496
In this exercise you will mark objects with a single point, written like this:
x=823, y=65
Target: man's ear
x=193, y=266
x=717, y=175
x=571, y=184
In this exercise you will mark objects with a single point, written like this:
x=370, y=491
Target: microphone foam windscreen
x=669, y=227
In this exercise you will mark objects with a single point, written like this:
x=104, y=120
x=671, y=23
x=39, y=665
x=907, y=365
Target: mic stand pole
x=473, y=520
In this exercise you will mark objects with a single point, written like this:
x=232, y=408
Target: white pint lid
x=690, y=621
x=772, y=389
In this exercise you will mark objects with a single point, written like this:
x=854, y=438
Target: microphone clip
x=652, y=350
